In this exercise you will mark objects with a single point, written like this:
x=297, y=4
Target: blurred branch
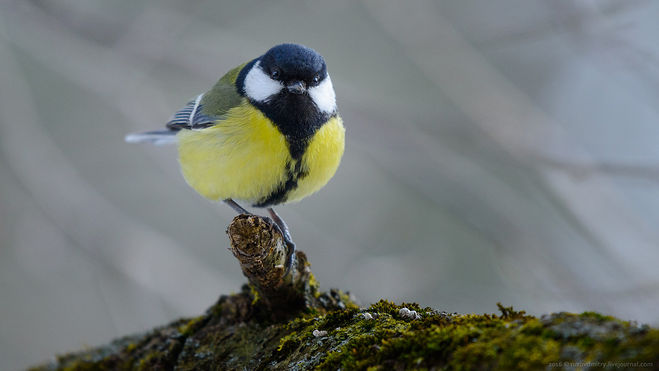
x=95, y=224
x=569, y=18
x=513, y=120
x=581, y=170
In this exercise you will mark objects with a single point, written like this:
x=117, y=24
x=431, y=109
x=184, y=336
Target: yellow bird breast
x=245, y=157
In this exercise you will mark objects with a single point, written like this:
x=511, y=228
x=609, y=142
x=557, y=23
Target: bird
x=267, y=133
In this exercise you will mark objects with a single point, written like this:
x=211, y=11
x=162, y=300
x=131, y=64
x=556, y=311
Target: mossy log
x=281, y=321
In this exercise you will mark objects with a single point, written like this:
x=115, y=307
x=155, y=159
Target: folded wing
x=189, y=117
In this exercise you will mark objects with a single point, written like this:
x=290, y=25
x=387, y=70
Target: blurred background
x=496, y=151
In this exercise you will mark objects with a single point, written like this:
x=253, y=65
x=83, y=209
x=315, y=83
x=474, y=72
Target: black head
x=296, y=66
x=298, y=69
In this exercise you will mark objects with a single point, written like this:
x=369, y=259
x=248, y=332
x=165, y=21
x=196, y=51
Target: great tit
x=268, y=133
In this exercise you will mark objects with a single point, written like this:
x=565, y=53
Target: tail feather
x=158, y=137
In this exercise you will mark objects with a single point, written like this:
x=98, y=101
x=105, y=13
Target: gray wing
x=191, y=117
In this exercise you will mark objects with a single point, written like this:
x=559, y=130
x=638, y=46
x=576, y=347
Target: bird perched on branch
x=268, y=132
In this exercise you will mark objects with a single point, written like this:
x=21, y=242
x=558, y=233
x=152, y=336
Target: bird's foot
x=290, y=246
x=283, y=228
x=290, y=257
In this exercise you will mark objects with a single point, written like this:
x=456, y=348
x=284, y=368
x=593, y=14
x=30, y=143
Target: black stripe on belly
x=280, y=195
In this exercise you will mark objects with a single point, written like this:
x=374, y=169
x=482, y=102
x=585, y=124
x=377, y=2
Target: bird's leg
x=287, y=238
x=234, y=205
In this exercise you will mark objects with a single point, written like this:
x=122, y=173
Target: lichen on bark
x=282, y=321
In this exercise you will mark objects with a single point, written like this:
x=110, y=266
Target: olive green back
x=223, y=95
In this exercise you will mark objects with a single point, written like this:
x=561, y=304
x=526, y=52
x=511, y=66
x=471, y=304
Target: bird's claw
x=290, y=257
x=290, y=248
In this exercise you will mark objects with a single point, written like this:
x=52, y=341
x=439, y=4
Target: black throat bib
x=297, y=118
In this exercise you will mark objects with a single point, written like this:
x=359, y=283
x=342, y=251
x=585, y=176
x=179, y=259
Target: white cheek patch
x=259, y=86
x=323, y=95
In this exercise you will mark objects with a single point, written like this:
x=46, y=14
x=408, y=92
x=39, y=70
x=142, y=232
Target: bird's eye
x=275, y=74
x=316, y=79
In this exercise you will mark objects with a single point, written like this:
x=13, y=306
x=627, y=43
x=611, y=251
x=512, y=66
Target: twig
x=260, y=249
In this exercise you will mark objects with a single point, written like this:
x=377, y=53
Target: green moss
x=512, y=341
x=289, y=342
x=191, y=325
x=314, y=285
x=596, y=316
x=510, y=313
x=235, y=334
x=255, y=294
x=131, y=347
x=384, y=306
x=150, y=361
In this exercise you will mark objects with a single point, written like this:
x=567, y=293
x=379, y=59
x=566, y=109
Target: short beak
x=296, y=87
